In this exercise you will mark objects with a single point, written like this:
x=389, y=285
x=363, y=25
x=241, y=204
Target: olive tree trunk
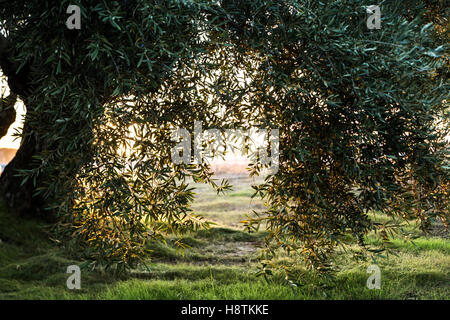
x=17, y=195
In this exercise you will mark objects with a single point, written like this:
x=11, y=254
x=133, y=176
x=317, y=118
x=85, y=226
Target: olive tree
x=357, y=110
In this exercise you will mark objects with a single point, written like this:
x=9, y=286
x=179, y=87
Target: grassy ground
x=220, y=265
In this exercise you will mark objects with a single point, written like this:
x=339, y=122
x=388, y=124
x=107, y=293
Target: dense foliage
x=361, y=115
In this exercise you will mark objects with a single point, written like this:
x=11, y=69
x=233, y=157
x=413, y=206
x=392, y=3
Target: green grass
x=220, y=264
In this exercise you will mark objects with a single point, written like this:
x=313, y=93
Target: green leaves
x=355, y=109
x=436, y=53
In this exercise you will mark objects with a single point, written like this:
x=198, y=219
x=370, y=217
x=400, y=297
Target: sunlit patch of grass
x=246, y=193
x=230, y=209
x=417, y=245
x=205, y=289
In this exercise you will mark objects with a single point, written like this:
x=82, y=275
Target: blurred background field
x=230, y=209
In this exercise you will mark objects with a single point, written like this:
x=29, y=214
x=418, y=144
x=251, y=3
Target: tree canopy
x=361, y=115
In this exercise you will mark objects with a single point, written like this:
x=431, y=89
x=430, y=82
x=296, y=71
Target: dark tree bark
x=19, y=197
x=7, y=113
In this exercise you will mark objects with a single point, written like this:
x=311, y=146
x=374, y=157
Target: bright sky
x=9, y=141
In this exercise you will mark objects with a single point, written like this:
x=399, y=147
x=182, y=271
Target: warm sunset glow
x=10, y=140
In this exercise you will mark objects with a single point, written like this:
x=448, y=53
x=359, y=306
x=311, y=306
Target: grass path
x=220, y=264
